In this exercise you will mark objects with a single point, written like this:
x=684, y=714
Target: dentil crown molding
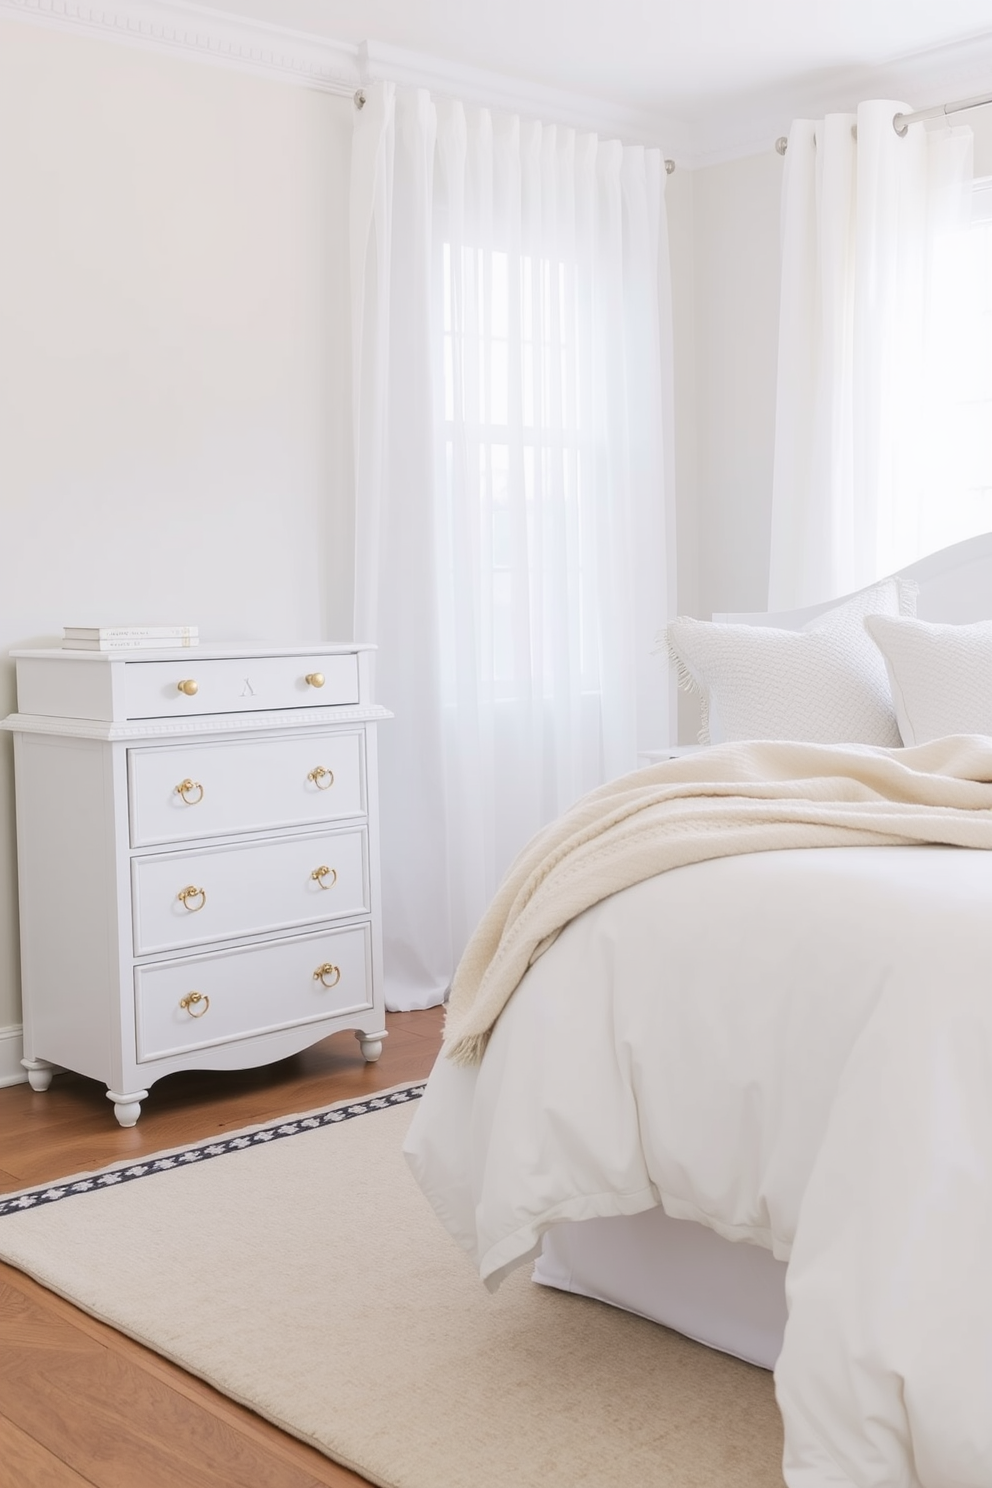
x=202, y=34
x=719, y=129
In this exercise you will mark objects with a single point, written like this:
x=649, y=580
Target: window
x=516, y=456
x=959, y=476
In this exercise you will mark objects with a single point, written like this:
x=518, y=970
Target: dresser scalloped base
x=257, y=790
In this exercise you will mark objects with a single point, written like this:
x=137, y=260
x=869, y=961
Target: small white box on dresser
x=198, y=871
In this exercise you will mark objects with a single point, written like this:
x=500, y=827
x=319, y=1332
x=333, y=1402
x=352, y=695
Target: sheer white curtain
x=512, y=375
x=871, y=226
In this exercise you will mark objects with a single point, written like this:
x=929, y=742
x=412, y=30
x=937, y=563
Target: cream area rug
x=298, y=1268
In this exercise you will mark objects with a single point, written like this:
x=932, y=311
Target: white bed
x=633, y=1139
x=727, y=1296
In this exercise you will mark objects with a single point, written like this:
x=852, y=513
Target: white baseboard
x=12, y=1071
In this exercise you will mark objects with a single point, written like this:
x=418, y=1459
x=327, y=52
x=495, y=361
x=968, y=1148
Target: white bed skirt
x=673, y=1271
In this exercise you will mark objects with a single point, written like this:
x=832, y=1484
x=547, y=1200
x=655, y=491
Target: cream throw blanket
x=735, y=798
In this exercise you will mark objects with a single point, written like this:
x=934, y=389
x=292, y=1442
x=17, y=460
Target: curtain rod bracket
x=782, y=143
x=360, y=99
x=669, y=167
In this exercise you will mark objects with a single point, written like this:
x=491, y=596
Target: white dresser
x=197, y=859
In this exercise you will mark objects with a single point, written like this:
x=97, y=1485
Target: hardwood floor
x=80, y=1404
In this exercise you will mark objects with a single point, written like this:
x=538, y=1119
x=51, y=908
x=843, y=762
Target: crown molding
x=198, y=32
x=380, y=62
x=713, y=132
x=201, y=34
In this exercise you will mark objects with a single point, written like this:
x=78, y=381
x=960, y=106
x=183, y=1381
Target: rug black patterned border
x=197, y=1152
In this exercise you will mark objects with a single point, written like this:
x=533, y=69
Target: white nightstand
x=197, y=844
x=672, y=751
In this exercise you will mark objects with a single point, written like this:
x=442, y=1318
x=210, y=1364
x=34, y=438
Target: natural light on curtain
x=512, y=374
x=528, y=476
x=958, y=450
x=879, y=354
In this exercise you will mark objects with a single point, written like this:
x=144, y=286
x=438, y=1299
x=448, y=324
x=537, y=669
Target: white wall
x=174, y=424
x=679, y=197
x=723, y=231
x=736, y=293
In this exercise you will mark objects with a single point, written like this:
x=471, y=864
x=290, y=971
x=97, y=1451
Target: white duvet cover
x=794, y=1048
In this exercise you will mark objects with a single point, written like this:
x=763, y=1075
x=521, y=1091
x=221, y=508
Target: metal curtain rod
x=901, y=122
x=360, y=104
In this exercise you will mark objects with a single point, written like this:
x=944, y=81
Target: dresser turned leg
x=127, y=1108
x=371, y=1045
x=40, y=1073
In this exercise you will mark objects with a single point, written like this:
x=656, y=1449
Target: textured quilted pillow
x=940, y=676
x=825, y=684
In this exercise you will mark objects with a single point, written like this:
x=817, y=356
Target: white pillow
x=824, y=684
x=940, y=676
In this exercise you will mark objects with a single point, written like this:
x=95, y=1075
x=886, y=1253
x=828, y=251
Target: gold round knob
x=185, y=789
x=321, y=778
x=189, y=1002
x=191, y=892
x=325, y=971
x=189, y=687
x=319, y=874
x=315, y=679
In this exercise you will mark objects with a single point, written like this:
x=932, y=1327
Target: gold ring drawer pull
x=319, y=874
x=192, y=892
x=189, y=687
x=191, y=1000
x=314, y=679
x=185, y=789
x=321, y=778
x=325, y=971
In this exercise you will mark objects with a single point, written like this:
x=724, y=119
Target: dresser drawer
x=184, y=791
x=254, y=990
x=155, y=689
x=220, y=893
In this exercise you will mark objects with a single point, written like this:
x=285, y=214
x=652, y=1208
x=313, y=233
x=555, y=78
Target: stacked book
x=128, y=637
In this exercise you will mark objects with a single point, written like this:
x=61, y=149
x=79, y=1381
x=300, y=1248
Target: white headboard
x=955, y=588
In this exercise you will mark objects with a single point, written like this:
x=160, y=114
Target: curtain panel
x=512, y=375
x=870, y=221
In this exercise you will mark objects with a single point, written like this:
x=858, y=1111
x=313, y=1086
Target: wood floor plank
x=422, y=1023
x=96, y=1406
x=308, y=1465
x=116, y=1423
x=26, y=1464
x=70, y=1128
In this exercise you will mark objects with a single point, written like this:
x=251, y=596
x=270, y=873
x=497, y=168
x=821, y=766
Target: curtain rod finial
x=360, y=98
x=782, y=144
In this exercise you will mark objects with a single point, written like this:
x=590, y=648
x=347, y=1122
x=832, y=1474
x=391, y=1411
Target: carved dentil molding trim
x=719, y=130
x=203, y=34
x=182, y=27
